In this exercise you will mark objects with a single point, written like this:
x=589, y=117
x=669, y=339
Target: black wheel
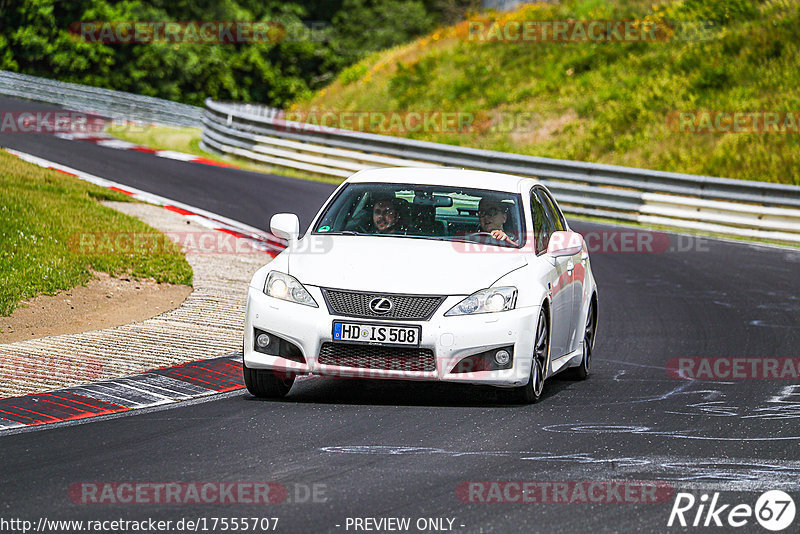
x=532, y=391
x=267, y=384
x=582, y=371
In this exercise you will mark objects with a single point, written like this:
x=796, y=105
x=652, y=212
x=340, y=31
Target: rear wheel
x=267, y=383
x=582, y=371
x=532, y=391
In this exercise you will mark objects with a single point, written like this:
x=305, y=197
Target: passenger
x=492, y=215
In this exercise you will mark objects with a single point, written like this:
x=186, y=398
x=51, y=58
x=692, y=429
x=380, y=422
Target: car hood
x=400, y=265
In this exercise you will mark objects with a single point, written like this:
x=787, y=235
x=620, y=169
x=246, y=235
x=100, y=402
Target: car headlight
x=285, y=287
x=494, y=299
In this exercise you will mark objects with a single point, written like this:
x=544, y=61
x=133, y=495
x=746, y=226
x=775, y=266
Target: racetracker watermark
x=595, y=242
x=565, y=492
x=728, y=122
x=177, y=493
x=50, y=122
x=388, y=366
x=734, y=368
x=74, y=368
x=587, y=31
x=408, y=121
x=125, y=243
x=219, y=241
x=178, y=32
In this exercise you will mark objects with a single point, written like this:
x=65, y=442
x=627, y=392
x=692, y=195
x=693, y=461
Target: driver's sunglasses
x=491, y=212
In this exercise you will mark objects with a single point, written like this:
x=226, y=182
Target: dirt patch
x=104, y=302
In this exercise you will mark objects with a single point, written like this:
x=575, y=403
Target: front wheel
x=267, y=384
x=532, y=391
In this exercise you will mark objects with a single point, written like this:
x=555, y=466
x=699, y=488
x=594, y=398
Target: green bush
x=35, y=39
x=353, y=73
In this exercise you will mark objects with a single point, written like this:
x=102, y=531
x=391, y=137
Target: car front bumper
x=450, y=339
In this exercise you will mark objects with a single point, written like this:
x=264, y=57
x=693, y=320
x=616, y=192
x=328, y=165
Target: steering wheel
x=484, y=237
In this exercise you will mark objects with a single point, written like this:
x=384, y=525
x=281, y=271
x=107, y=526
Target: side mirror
x=285, y=225
x=565, y=244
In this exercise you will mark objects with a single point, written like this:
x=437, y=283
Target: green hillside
x=601, y=100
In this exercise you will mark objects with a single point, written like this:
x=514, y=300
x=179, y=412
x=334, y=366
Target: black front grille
x=356, y=304
x=371, y=357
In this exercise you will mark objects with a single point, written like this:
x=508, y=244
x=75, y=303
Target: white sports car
x=425, y=274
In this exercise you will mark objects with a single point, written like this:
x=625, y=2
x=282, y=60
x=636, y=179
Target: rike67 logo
x=774, y=510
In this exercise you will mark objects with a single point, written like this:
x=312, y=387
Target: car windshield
x=425, y=211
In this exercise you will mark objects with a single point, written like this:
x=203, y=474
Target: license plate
x=376, y=334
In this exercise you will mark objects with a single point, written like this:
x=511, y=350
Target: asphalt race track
x=391, y=449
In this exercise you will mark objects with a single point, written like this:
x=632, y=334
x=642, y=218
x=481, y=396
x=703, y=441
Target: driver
x=386, y=216
x=492, y=215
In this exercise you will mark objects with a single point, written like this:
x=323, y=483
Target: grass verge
x=44, y=213
x=179, y=139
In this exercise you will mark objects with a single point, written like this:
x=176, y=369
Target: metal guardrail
x=719, y=205
x=106, y=102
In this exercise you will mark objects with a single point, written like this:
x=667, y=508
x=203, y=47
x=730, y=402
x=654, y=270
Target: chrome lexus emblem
x=381, y=305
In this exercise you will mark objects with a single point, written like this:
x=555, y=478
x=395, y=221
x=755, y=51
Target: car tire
x=590, y=329
x=267, y=383
x=532, y=391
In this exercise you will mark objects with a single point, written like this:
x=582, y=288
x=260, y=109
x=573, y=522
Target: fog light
x=263, y=341
x=502, y=357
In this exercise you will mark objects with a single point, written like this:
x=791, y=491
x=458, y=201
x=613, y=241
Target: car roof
x=446, y=176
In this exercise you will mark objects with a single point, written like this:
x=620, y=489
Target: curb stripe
x=48, y=409
x=72, y=407
x=178, y=210
x=206, y=161
x=202, y=379
x=108, y=141
x=7, y=424
x=15, y=408
x=119, y=190
x=62, y=171
x=11, y=416
x=166, y=385
x=98, y=406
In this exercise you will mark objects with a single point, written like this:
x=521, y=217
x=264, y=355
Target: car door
x=559, y=278
x=576, y=270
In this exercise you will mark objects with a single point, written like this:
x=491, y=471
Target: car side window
x=552, y=212
x=542, y=225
